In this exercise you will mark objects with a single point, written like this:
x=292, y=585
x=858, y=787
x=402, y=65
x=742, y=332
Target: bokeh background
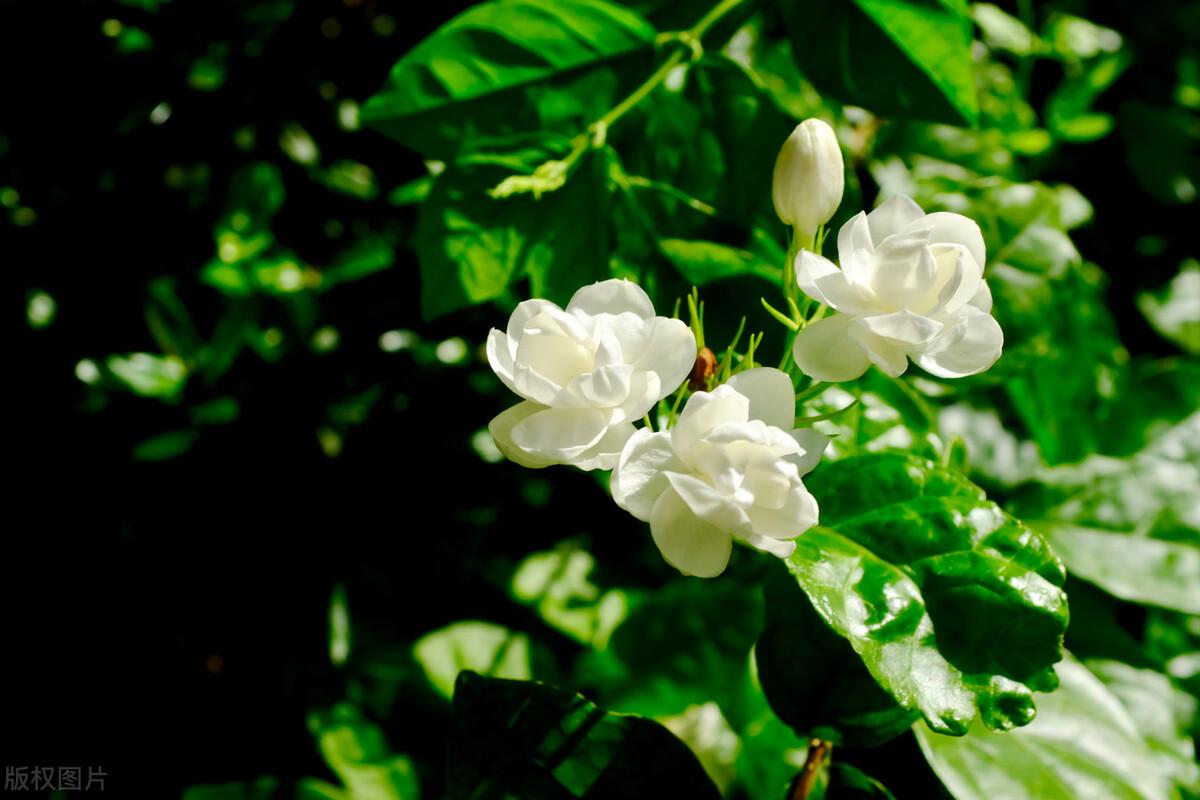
x=214, y=460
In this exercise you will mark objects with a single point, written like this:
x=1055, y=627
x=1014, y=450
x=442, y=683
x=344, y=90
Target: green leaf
x=536, y=742
x=357, y=752
x=953, y=606
x=473, y=247
x=494, y=47
x=480, y=646
x=1174, y=311
x=1134, y=568
x=368, y=255
x=1163, y=714
x=1084, y=743
x=907, y=58
x=684, y=644
x=149, y=375
x=265, y=788
x=556, y=582
x=814, y=679
x=166, y=446
x=702, y=262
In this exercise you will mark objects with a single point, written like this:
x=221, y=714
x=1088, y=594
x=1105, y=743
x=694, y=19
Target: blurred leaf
x=909, y=58
x=1003, y=31
x=1174, y=311
x=265, y=788
x=702, y=262
x=412, y=192
x=1076, y=39
x=149, y=375
x=479, y=646
x=847, y=782
x=913, y=551
x=350, y=178
x=1163, y=714
x=493, y=47
x=368, y=255
x=1161, y=149
x=1136, y=568
x=1068, y=111
x=1084, y=743
x=556, y=582
x=166, y=446
x=356, y=751
x=684, y=644
x=536, y=742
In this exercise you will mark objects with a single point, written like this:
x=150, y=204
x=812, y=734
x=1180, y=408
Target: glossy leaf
x=1084, y=743
x=493, y=47
x=907, y=58
x=953, y=606
x=1140, y=569
x=537, y=742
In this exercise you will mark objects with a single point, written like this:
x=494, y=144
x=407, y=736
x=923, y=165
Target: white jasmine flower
x=586, y=374
x=910, y=286
x=809, y=177
x=729, y=469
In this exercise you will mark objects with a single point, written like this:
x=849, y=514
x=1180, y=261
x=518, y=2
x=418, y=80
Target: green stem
x=597, y=132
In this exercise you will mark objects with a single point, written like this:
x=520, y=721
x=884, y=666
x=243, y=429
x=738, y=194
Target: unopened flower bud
x=809, y=177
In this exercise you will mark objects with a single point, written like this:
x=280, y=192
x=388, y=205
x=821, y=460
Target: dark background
x=167, y=620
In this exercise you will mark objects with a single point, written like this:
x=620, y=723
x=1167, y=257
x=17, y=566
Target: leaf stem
x=818, y=755
x=596, y=133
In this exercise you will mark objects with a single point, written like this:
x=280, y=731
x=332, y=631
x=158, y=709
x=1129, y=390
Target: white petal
x=796, y=515
x=890, y=357
x=818, y=278
x=552, y=320
x=561, y=434
x=614, y=296
x=556, y=358
x=532, y=385
x=703, y=412
x=605, y=453
x=644, y=393
x=670, y=354
x=772, y=441
x=902, y=328
x=501, y=430
x=639, y=477
x=855, y=248
x=500, y=357
x=813, y=443
x=977, y=350
x=948, y=227
x=777, y=547
x=983, y=297
x=626, y=334
x=825, y=350
x=772, y=398
x=965, y=275
x=902, y=272
x=525, y=311
x=708, y=504
x=688, y=544
x=893, y=216
x=605, y=387
x=855, y=239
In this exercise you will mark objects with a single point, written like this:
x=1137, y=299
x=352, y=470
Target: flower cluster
x=909, y=286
